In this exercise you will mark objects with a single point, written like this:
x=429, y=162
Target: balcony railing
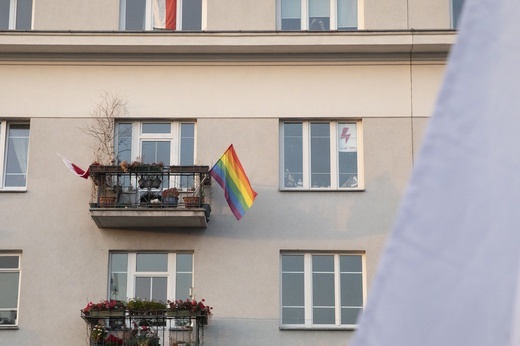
x=152, y=329
x=148, y=196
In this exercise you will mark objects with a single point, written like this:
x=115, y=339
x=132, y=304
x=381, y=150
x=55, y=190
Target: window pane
x=293, y=154
x=292, y=289
x=124, y=142
x=350, y=263
x=7, y=317
x=292, y=263
x=323, y=289
x=135, y=13
x=320, y=155
x=9, y=290
x=152, y=262
x=157, y=128
x=17, y=155
x=191, y=14
x=159, y=289
x=293, y=316
x=184, y=263
x=323, y=263
x=143, y=287
x=118, y=286
x=319, y=15
x=351, y=290
x=182, y=288
x=291, y=14
x=187, y=144
x=347, y=14
x=9, y=262
x=155, y=151
x=323, y=316
x=24, y=14
x=4, y=14
x=350, y=315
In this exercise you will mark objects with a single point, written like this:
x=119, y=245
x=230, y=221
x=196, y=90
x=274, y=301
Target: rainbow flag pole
x=230, y=175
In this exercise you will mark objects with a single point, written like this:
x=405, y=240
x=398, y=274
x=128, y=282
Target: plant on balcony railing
x=189, y=307
x=138, y=306
x=105, y=308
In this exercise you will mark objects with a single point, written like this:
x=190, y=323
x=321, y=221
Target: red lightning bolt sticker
x=345, y=135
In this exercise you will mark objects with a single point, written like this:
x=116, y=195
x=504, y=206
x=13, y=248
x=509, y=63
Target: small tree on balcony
x=103, y=126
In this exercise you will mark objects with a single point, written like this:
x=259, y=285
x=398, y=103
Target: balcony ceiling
x=149, y=219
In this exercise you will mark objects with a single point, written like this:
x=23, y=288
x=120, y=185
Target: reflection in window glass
x=9, y=287
x=293, y=297
x=320, y=155
x=293, y=154
x=24, y=14
x=309, y=284
x=4, y=14
x=319, y=15
x=17, y=155
x=347, y=14
x=135, y=15
x=118, y=275
x=191, y=15
x=347, y=155
x=291, y=14
x=184, y=275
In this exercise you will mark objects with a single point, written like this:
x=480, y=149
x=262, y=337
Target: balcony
x=150, y=197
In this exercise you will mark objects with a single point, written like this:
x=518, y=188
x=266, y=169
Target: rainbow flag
x=228, y=172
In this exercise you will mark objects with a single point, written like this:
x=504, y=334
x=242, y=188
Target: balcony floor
x=149, y=218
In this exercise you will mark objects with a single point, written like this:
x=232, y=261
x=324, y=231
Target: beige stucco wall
x=228, y=90
x=241, y=15
x=76, y=15
x=65, y=256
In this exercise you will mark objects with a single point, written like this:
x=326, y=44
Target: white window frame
x=308, y=303
x=13, y=6
x=13, y=270
x=304, y=15
x=174, y=137
x=148, y=26
x=171, y=273
x=4, y=126
x=334, y=174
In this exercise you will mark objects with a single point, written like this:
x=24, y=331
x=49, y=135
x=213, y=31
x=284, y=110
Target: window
x=15, y=14
x=321, y=289
x=14, y=155
x=9, y=289
x=456, y=10
x=320, y=155
x=318, y=15
x=161, y=14
x=172, y=143
x=158, y=276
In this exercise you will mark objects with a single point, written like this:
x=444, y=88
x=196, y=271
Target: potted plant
x=98, y=335
x=170, y=197
x=152, y=307
x=189, y=307
x=104, y=308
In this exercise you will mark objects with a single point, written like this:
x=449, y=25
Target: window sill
x=8, y=327
x=320, y=328
x=13, y=189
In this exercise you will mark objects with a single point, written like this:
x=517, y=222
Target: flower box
x=191, y=202
x=106, y=313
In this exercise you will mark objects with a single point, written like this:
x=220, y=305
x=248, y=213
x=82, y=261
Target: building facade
x=324, y=101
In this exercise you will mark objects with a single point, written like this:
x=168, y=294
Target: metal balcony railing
x=149, y=195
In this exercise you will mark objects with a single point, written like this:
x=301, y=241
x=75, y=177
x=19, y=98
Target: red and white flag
x=75, y=169
x=165, y=14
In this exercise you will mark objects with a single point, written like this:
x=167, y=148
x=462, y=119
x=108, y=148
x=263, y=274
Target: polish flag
x=75, y=169
x=165, y=14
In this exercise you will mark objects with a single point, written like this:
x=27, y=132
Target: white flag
x=449, y=273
